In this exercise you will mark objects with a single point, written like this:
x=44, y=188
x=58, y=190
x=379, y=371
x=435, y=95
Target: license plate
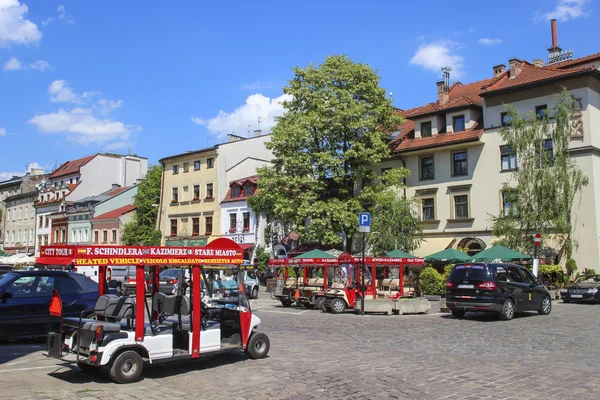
x=577, y=296
x=162, y=282
x=466, y=297
x=466, y=286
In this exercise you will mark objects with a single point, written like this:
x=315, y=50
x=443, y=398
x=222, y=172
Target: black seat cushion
x=88, y=324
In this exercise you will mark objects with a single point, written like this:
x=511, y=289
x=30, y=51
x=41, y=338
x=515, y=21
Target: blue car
x=25, y=299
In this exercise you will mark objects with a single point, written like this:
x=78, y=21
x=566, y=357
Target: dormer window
x=458, y=123
x=248, y=189
x=235, y=191
x=426, y=129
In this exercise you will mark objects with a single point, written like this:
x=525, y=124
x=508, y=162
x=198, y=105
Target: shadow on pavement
x=11, y=350
x=151, y=371
x=489, y=317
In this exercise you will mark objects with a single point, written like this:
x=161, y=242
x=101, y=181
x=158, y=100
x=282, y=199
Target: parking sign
x=364, y=222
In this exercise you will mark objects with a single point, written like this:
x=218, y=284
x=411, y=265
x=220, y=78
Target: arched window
x=472, y=245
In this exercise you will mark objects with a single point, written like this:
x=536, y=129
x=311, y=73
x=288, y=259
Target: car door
x=535, y=290
x=516, y=287
x=71, y=296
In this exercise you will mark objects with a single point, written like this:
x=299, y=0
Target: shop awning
x=448, y=256
x=54, y=260
x=246, y=246
x=500, y=254
x=433, y=245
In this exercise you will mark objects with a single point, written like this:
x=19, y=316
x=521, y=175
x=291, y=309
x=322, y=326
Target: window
x=458, y=123
x=246, y=221
x=31, y=235
x=513, y=274
x=527, y=276
x=26, y=213
x=186, y=167
x=248, y=189
x=541, y=111
x=20, y=213
x=56, y=236
x=428, y=206
x=459, y=163
x=41, y=221
x=209, y=190
x=210, y=163
x=8, y=215
x=32, y=212
x=208, y=226
x=232, y=222
x=506, y=203
x=18, y=236
x=104, y=236
x=548, y=148
x=175, y=196
x=196, y=165
x=68, y=286
x=174, y=227
x=461, y=206
x=425, y=129
x=427, y=170
x=85, y=235
x=195, y=226
x=95, y=236
x=504, y=119
x=47, y=221
x=113, y=236
x=175, y=169
x=508, y=159
x=235, y=191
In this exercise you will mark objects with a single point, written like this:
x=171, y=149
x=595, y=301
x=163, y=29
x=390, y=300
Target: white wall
x=118, y=201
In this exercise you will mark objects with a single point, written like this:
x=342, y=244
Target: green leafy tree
x=432, y=282
x=142, y=229
x=542, y=190
x=325, y=145
x=395, y=223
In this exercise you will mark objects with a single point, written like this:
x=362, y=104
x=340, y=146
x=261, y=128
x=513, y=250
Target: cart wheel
x=126, y=368
x=258, y=346
x=337, y=306
x=319, y=302
x=286, y=303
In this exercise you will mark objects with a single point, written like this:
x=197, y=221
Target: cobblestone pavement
x=321, y=356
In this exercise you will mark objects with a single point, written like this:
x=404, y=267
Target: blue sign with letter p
x=364, y=222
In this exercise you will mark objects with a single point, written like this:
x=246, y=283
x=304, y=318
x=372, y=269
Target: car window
x=6, y=278
x=527, y=276
x=513, y=274
x=501, y=274
x=251, y=274
x=43, y=286
x=470, y=272
x=68, y=286
x=22, y=286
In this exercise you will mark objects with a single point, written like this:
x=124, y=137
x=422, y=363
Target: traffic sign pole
x=364, y=226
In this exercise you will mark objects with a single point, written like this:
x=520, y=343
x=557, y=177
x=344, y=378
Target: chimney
x=443, y=95
x=538, y=63
x=234, y=138
x=499, y=70
x=257, y=132
x=115, y=186
x=553, y=29
x=515, y=67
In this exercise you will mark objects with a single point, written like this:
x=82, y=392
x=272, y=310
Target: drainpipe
x=403, y=179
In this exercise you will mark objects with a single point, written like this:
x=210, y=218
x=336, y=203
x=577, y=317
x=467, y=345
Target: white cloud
x=40, y=65
x=13, y=64
x=254, y=86
x=564, y=11
x=47, y=21
x=8, y=175
x=2, y=131
x=61, y=11
x=438, y=54
x=107, y=106
x=14, y=27
x=82, y=127
x=61, y=93
x=238, y=120
x=489, y=41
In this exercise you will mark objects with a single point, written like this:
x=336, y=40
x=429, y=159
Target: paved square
x=321, y=356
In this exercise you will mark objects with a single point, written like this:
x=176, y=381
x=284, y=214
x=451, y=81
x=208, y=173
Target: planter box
x=412, y=306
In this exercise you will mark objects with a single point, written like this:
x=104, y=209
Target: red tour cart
x=123, y=332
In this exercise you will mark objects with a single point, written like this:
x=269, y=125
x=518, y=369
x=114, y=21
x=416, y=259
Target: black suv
x=499, y=288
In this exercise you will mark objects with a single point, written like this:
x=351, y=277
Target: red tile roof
x=240, y=182
x=459, y=95
x=116, y=191
x=71, y=167
x=578, y=61
x=70, y=187
x=441, y=139
x=114, y=214
x=532, y=74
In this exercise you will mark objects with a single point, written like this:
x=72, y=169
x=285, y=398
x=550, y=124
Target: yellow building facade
x=190, y=213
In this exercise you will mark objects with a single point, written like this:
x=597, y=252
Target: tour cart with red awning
x=124, y=332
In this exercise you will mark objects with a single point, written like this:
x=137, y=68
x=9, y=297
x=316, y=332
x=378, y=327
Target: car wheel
x=337, y=306
x=286, y=303
x=126, y=368
x=255, y=292
x=319, y=302
x=258, y=346
x=87, y=367
x=546, y=306
x=508, y=310
x=459, y=314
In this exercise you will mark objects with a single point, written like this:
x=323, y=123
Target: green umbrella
x=500, y=254
x=316, y=253
x=448, y=256
x=399, y=254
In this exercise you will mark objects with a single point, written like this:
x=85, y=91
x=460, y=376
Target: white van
x=115, y=275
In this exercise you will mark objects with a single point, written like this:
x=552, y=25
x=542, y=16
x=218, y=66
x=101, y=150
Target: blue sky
x=159, y=78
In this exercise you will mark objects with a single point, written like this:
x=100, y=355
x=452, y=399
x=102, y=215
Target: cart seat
x=290, y=282
x=88, y=324
x=173, y=322
x=107, y=306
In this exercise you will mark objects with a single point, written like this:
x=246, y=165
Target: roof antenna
x=446, y=72
x=260, y=119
